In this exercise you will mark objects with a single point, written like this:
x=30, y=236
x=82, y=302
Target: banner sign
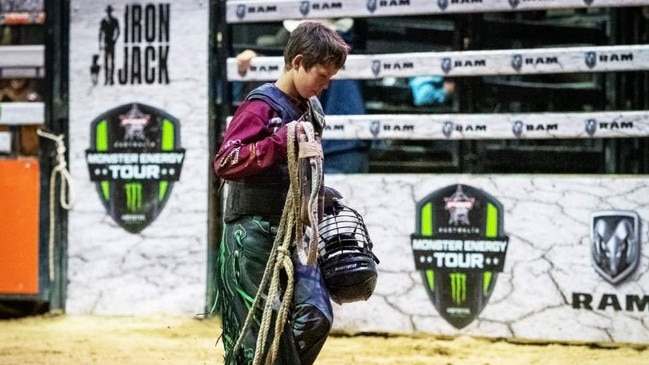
x=134, y=159
x=239, y=11
x=476, y=126
x=459, y=248
x=138, y=93
x=552, y=258
x=468, y=63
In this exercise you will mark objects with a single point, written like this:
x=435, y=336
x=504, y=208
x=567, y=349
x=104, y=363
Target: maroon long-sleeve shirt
x=251, y=142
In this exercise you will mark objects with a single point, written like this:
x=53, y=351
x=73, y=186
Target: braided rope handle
x=308, y=252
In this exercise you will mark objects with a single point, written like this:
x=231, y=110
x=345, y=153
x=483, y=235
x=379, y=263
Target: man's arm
x=250, y=145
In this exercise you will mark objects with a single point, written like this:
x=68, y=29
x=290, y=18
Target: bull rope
x=290, y=227
x=66, y=195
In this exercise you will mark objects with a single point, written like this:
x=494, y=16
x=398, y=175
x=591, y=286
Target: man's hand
x=243, y=60
x=333, y=200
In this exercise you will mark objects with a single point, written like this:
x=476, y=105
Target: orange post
x=19, y=200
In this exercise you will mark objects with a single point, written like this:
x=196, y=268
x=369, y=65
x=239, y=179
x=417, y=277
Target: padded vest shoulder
x=279, y=101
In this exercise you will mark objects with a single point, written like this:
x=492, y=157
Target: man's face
x=18, y=84
x=314, y=81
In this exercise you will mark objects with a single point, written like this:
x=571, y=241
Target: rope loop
x=61, y=168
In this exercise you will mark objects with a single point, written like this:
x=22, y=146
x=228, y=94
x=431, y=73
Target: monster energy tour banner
x=135, y=159
x=459, y=248
x=534, y=257
x=138, y=92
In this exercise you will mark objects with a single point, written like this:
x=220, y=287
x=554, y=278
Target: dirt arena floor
x=69, y=340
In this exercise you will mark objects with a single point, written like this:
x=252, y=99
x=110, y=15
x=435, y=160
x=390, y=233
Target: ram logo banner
x=459, y=247
x=517, y=62
x=376, y=67
x=446, y=65
x=304, y=7
x=591, y=59
x=447, y=129
x=517, y=128
x=591, y=126
x=134, y=158
x=371, y=5
x=375, y=128
x=615, y=243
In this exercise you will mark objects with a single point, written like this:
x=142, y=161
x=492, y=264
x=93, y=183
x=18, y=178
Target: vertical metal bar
x=56, y=121
x=614, y=91
x=471, y=151
x=220, y=99
x=643, y=90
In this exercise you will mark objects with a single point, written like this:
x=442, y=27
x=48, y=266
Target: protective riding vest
x=265, y=194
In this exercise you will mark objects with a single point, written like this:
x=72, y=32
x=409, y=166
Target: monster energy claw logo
x=458, y=287
x=133, y=197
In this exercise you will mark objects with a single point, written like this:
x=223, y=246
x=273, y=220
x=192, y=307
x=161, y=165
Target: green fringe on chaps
x=242, y=259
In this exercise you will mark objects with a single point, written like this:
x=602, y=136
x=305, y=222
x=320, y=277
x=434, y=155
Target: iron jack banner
x=134, y=158
x=459, y=247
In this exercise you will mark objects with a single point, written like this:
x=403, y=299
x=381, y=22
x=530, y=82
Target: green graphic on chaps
x=233, y=299
x=134, y=159
x=459, y=247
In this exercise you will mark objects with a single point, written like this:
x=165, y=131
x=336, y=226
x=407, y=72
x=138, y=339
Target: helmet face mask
x=345, y=255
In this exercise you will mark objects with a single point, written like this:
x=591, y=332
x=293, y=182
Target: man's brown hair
x=319, y=44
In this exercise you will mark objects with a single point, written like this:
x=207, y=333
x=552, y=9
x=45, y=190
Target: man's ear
x=297, y=61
